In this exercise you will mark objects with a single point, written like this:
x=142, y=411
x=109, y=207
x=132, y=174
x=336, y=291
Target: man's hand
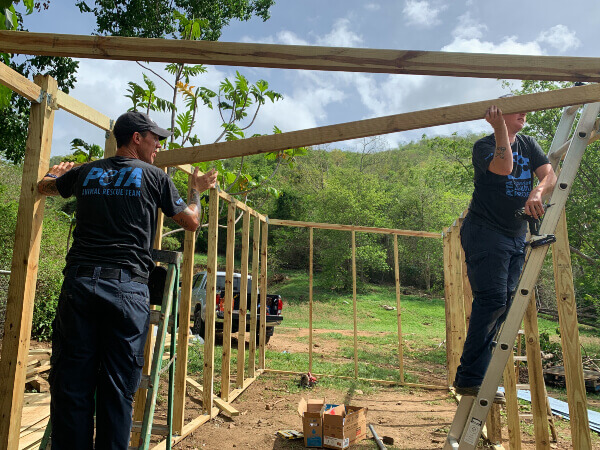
x=47, y=185
x=534, y=205
x=204, y=182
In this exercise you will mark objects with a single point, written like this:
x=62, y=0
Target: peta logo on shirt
x=124, y=182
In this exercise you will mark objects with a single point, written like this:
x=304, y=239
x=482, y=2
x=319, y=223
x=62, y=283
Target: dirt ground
x=413, y=418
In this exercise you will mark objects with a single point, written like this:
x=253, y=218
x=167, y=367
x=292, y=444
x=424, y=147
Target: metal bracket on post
x=52, y=102
x=107, y=133
x=41, y=97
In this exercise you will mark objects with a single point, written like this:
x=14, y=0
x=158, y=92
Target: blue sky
x=314, y=98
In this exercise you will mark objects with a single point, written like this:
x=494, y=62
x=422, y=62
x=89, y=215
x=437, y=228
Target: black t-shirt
x=117, y=201
x=497, y=197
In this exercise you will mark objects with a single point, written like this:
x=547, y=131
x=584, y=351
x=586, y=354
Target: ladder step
x=157, y=429
x=523, y=387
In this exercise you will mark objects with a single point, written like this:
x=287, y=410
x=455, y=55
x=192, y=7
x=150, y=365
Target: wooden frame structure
x=353, y=229
x=46, y=98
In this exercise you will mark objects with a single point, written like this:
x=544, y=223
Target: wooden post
x=569, y=335
x=110, y=144
x=512, y=404
x=494, y=425
x=139, y=402
x=254, y=296
x=466, y=285
x=310, y=299
x=183, y=332
x=354, y=306
x=209, y=316
x=398, y=311
x=24, y=267
x=537, y=387
x=455, y=313
x=263, y=294
x=227, y=310
x=241, y=355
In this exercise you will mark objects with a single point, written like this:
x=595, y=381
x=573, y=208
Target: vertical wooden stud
x=243, y=310
x=494, y=425
x=254, y=297
x=24, y=267
x=310, y=299
x=263, y=294
x=354, y=306
x=227, y=310
x=536, y=377
x=569, y=335
x=398, y=310
x=183, y=332
x=512, y=404
x=211, y=292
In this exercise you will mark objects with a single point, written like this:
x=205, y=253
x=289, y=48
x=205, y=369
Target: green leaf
x=5, y=96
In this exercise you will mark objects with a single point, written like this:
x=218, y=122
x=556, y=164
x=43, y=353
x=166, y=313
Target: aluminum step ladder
x=472, y=412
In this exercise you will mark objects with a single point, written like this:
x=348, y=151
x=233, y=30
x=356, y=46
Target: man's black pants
x=97, y=350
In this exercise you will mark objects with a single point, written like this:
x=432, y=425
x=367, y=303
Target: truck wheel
x=198, y=327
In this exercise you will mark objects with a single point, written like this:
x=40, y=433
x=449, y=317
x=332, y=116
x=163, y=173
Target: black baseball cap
x=133, y=121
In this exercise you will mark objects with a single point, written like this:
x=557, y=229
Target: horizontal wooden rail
x=378, y=126
x=479, y=65
x=331, y=226
x=31, y=91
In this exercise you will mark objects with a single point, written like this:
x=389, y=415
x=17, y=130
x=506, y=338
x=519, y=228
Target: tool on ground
x=307, y=380
x=472, y=411
x=377, y=440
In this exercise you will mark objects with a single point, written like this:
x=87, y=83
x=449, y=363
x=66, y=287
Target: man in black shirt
x=103, y=311
x=493, y=238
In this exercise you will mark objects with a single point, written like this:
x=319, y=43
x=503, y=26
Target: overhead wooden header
x=480, y=65
x=378, y=126
x=332, y=226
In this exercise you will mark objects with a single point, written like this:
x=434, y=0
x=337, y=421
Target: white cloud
x=422, y=13
x=341, y=36
x=373, y=6
x=468, y=28
x=560, y=37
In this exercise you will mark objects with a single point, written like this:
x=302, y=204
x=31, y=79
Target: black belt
x=108, y=273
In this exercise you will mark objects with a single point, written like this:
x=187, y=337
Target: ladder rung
x=523, y=387
x=157, y=429
x=520, y=358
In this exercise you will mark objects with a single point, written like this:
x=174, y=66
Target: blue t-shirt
x=117, y=208
x=497, y=197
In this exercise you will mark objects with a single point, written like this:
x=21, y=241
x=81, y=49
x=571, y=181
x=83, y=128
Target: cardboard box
x=343, y=425
x=311, y=411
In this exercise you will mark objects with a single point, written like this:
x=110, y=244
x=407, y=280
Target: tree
x=14, y=109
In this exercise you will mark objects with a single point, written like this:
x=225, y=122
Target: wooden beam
x=228, y=309
x=354, y=305
x=24, y=268
x=243, y=309
x=521, y=67
x=19, y=84
x=263, y=294
x=310, y=298
x=222, y=405
x=378, y=126
x=183, y=331
x=512, y=404
x=333, y=226
x=569, y=336
x=434, y=387
x=26, y=88
x=211, y=292
x=398, y=309
x=536, y=376
x=254, y=297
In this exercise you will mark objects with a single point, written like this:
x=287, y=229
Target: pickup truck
x=274, y=305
